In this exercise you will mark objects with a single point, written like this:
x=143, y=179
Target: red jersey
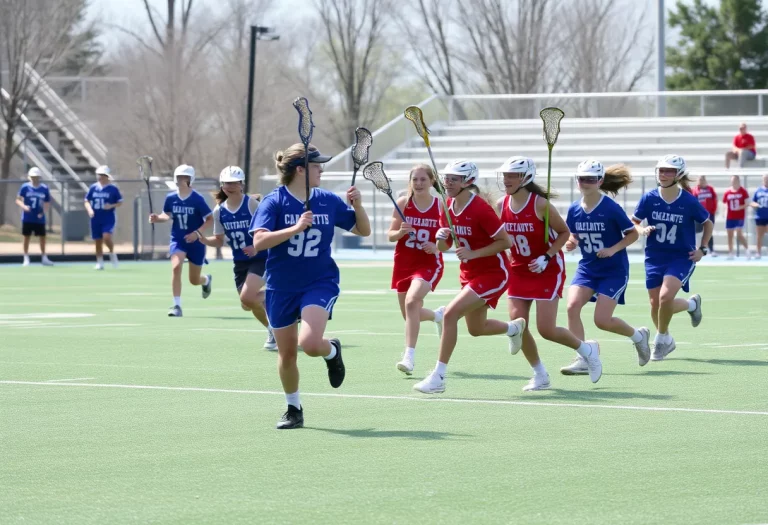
x=526, y=230
x=734, y=199
x=745, y=141
x=408, y=251
x=707, y=197
x=475, y=227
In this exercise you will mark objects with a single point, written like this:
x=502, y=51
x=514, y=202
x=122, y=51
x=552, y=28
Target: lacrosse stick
x=363, y=141
x=374, y=172
x=414, y=114
x=305, y=134
x=551, y=118
x=142, y=161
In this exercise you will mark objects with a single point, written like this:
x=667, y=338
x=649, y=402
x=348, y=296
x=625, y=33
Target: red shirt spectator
x=744, y=148
x=706, y=195
x=745, y=141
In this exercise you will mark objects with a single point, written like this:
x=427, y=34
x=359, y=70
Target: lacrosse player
x=34, y=199
x=302, y=277
x=102, y=199
x=670, y=253
x=190, y=214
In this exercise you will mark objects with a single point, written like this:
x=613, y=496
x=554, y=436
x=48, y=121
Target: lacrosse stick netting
x=306, y=125
x=363, y=142
x=550, y=118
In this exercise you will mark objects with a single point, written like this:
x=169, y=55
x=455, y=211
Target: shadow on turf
x=735, y=362
x=663, y=373
x=421, y=435
x=592, y=395
x=491, y=377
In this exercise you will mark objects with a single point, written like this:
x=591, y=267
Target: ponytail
x=219, y=196
x=541, y=192
x=685, y=183
x=616, y=177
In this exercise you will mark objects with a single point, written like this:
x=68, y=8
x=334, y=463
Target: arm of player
x=362, y=224
x=46, y=207
x=163, y=217
x=630, y=237
x=706, y=235
x=198, y=233
x=20, y=204
x=556, y=223
x=397, y=228
x=214, y=241
x=572, y=243
x=501, y=242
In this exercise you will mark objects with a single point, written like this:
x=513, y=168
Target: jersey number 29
x=422, y=236
x=298, y=246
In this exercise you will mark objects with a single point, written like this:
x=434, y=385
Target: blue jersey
x=305, y=259
x=761, y=198
x=188, y=214
x=34, y=198
x=675, y=223
x=235, y=225
x=98, y=196
x=602, y=227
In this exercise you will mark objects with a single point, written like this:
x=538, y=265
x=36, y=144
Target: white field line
x=57, y=325
x=398, y=398
x=70, y=380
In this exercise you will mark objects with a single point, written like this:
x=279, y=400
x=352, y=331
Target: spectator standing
x=708, y=198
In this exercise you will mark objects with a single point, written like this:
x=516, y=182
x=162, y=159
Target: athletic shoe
x=336, y=370
x=270, y=343
x=696, y=314
x=748, y=255
x=643, y=348
x=662, y=350
x=538, y=382
x=293, y=418
x=113, y=258
x=516, y=341
x=406, y=365
x=439, y=312
x=207, y=287
x=730, y=256
x=593, y=362
x=46, y=261
x=578, y=367
x=174, y=311
x=26, y=261
x=434, y=383
x=713, y=254
x=99, y=266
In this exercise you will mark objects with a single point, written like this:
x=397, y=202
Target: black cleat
x=174, y=311
x=293, y=418
x=336, y=370
x=207, y=287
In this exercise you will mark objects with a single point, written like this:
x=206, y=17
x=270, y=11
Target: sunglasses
x=589, y=179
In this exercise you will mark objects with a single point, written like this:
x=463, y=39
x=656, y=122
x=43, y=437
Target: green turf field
x=110, y=412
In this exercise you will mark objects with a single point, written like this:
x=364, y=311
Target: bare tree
x=35, y=34
x=354, y=44
x=609, y=49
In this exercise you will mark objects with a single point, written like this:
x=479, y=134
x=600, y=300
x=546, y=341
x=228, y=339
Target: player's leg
x=606, y=321
x=316, y=309
x=109, y=243
x=669, y=305
x=26, y=233
x=546, y=325
x=196, y=257
x=99, y=244
x=578, y=296
x=41, y=234
x=760, y=230
x=742, y=239
x=729, y=233
x=287, y=344
x=177, y=263
x=465, y=302
x=653, y=299
x=412, y=306
x=521, y=308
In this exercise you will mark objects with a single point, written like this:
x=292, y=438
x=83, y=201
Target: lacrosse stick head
x=551, y=118
x=374, y=172
x=414, y=114
x=145, y=161
x=363, y=141
x=305, y=119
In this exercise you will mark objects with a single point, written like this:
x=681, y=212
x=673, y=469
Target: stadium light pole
x=257, y=33
x=661, y=61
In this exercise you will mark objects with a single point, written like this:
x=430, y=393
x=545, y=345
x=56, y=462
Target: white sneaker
x=662, y=350
x=434, y=383
x=748, y=255
x=593, y=362
x=270, y=343
x=113, y=258
x=696, y=315
x=713, y=254
x=730, y=256
x=406, y=365
x=99, y=266
x=516, y=341
x=46, y=261
x=643, y=348
x=26, y=261
x=578, y=367
x=439, y=320
x=538, y=382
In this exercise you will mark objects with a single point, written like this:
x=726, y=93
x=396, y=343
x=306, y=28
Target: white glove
x=540, y=264
x=443, y=234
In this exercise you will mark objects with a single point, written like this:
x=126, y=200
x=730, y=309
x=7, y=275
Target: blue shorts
x=195, y=251
x=655, y=270
x=102, y=225
x=612, y=286
x=761, y=222
x=732, y=224
x=284, y=308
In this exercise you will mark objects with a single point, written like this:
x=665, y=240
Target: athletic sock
x=636, y=337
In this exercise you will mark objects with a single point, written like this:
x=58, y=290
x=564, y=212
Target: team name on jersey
x=102, y=195
x=704, y=195
x=518, y=227
x=36, y=194
x=236, y=225
x=293, y=218
x=418, y=221
x=735, y=196
x=667, y=217
x=186, y=210
x=463, y=230
x=590, y=226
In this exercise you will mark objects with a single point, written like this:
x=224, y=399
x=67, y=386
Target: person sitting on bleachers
x=743, y=148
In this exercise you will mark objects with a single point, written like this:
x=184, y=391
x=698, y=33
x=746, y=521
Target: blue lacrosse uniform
x=235, y=226
x=188, y=214
x=602, y=227
x=761, y=198
x=34, y=198
x=103, y=221
x=300, y=271
x=667, y=248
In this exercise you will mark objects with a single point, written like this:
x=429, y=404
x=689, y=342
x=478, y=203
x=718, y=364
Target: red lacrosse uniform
x=475, y=227
x=733, y=199
x=411, y=261
x=526, y=230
